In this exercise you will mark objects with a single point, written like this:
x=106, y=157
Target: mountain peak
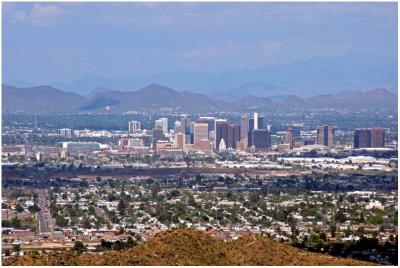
x=157, y=87
x=380, y=91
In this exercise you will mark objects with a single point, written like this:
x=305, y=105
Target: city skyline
x=199, y=133
x=171, y=172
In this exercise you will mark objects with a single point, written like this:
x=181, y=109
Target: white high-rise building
x=134, y=127
x=255, y=120
x=211, y=136
x=178, y=127
x=162, y=123
x=200, y=132
x=158, y=124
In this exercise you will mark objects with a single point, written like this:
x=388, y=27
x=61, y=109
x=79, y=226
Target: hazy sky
x=47, y=42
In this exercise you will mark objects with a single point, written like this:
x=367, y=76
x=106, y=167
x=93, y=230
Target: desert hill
x=39, y=99
x=190, y=247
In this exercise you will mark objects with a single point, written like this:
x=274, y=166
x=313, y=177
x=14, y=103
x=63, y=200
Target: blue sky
x=47, y=42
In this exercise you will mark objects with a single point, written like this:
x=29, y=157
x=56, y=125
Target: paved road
x=46, y=222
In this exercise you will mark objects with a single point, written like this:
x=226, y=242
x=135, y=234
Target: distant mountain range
x=304, y=78
x=47, y=99
x=191, y=248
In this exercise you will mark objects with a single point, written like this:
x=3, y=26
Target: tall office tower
x=233, y=136
x=35, y=123
x=255, y=118
x=191, y=127
x=326, y=135
x=209, y=120
x=261, y=139
x=158, y=124
x=211, y=137
x=180, y=140
x=289, y=138
x=221, y=131
x=133, y=127
x=185, y=121
x=378, y=137
x=200, y=132
x=211, y=124
x=178, y=127
x=65, y=132
x=249, y=133
x=251, y=124
x=261, y=122
x=244, y=127
x=157, y=135
x=188, y=138
x=362, y=138
x=164, y=124
x=256, y=122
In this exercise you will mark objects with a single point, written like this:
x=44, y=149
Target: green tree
x=7, y=252
x=17, y=248
x=155, y=189
x=192, y=201
x=79, y=247
x=130, y=242
x=333, y=230
x=361, y=217
x=121, y=207
x=61, y=221
x=340, y=217
x=33, y=209
x=92, y=210
x=18, y=208
x=86, y=223
x=322, y=236
x=254, y=197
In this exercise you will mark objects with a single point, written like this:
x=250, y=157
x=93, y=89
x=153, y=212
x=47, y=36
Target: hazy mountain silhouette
x=96, y=91
x=39, y=99
x=157, y=97
x=304, y=78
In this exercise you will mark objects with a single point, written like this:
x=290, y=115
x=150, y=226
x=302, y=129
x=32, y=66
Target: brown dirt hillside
x=190, y=247
x=259, y=250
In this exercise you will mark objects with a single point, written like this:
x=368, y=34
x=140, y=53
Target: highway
x=46, y=222
x=129, y=172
